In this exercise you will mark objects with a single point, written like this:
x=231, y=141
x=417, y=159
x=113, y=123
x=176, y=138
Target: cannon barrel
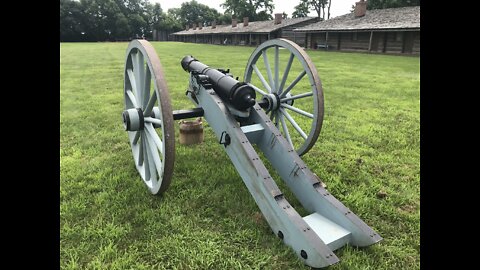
x=238, y=94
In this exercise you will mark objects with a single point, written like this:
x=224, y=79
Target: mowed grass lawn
x=368, y=154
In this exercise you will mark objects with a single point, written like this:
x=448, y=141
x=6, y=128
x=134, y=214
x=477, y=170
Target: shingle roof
x=253, y=27
x=391, y=18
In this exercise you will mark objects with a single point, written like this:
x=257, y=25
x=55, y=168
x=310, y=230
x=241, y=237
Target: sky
x=339, y=7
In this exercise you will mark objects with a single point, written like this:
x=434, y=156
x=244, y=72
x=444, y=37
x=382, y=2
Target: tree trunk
x=329, y=5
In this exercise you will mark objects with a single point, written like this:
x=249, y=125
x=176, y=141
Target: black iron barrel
x=239, y=94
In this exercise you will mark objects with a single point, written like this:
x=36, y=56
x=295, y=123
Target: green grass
x=207, y=219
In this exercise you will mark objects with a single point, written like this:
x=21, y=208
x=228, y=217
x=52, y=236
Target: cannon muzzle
x=239, y=94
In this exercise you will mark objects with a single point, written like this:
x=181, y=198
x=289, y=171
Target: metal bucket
x=191, y=132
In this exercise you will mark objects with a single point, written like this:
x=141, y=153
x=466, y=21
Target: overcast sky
x=339, y=7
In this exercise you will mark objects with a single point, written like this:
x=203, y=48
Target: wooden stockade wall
x=246, y=33
x=162, y=35
x=395, y=42
x=252, y=39
x=297, y=37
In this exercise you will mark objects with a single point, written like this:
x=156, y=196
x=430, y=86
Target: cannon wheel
x=148, y=117
x=285, y=97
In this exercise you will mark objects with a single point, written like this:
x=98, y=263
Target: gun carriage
x=241, y=115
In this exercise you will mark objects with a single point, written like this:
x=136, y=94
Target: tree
x=71, y=16
x=224, y=19
x=138, y=16
x=194, y=12
x=122, y=27
x=317, y=6
x=250, y=9
x=138, y=25
x=155, y=15
x=261, y=16
x=267, y=5
x=329, y=5
x=302, y=9
x=99, y=18
x=111, y=19
x=239, y=8
x=171, y=21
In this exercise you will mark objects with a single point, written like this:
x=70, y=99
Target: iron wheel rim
x=276, y=86
x=145, y=88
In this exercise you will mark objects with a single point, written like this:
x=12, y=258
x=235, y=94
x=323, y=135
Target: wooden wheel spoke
x=294, y=124
x=289, y=88
x=154, y=158
x=269, y=70
x=285, y=130
x=140, y=150
x=151, y=102
x=151, y=168
x=153, y=120
x=145, y=162
x=139, y=75
x=276, y=67
x=276, y=118
x=146, y=91
x=262, y=79
x=153, y=135
x=133, y=83
x=137, y=136
x=283, y=100
x=132, y=98
x=257, y=89
x=297, y=110
x=286, y=72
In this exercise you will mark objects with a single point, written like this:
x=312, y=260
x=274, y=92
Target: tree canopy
x=304, y=7
x=100, y=20
x=255, y=10
x=90, y=20
x=301, y=10
x=382, y=4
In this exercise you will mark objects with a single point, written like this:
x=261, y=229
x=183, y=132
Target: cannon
x=259, y=110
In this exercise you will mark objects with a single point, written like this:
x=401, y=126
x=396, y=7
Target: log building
x=393, y=30
x=246, y=33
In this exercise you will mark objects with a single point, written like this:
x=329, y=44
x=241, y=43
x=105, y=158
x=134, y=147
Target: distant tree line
x=102, y=20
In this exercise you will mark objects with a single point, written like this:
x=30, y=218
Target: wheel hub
x=133, y=119
x=273, y=101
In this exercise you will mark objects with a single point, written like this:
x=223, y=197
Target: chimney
x=245, y=21
x=200, y=26
x=278, y=18
x=360, y=8
x=187, y=27
x=194, y=26
x=234, y=22
x=214, y=24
